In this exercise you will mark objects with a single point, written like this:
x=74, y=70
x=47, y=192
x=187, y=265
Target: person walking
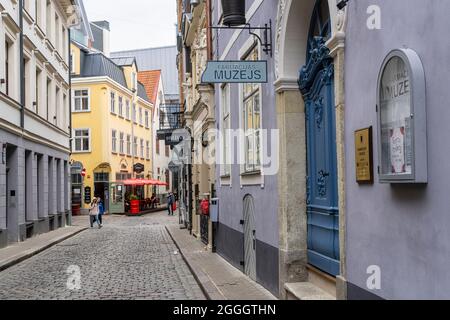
x=101, y=211
x=170, y=203
x=93, y=213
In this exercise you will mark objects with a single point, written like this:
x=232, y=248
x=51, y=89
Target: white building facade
x=34, y=117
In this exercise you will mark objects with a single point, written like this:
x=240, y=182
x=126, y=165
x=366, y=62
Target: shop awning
x=143, y=182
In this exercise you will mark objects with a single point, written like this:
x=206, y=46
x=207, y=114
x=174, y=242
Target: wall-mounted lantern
x=233, y=12
x=234, y=17
x=402, y=119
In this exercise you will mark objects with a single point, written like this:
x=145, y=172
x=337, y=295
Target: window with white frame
x=142, y=148
x=140, y=116
x=121, y=143
x=147, y=123
x=81, y=100
x=49, y=19
x=10, y=67
x=114, y=141
x=128, y=145
x=226, y=126
x=147, y=149
x=127, y=110
x=120, y=106
x=82, y=140
x=113, y=102
x=38, y=13
x=57, y=43
x=134, y=113
x=252, y=121
x=38, y=89
x=135, y=147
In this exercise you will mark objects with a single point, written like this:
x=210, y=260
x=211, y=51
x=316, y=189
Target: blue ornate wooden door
x=317, y=86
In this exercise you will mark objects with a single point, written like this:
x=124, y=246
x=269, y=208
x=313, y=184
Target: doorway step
x=319, y=286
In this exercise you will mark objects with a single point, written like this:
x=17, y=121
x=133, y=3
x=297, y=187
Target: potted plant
x=134, y=204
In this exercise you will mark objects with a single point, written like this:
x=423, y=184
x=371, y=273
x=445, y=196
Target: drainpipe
x=21, y=68
x=208, y=30
x=70, y=90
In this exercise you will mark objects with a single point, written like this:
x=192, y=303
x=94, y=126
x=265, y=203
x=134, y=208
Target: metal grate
x=170, y=117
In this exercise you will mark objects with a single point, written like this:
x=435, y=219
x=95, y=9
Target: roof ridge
x=144, y=49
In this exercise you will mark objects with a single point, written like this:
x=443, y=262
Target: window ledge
x=82, y=111
x=251, y=173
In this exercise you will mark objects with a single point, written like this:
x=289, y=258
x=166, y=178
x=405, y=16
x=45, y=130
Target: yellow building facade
x=111, y=128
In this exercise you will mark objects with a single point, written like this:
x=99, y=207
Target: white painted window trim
x=111, y=93
x=147, y=119
x=75, y=137
x=147, y=149
x=73, y=100
x=128, y=110
x=247, y=179
x=225, y=178
x=120, y=106
x=129, y=146
x=114, y=137
x=122, y=142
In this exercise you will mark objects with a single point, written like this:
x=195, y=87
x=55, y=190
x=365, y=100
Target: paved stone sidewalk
x=129, y=258
x=16, y=253
x=220, y=280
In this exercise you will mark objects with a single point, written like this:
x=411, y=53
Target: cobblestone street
x=129, y=258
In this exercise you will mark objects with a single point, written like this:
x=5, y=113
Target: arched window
x=320, y=23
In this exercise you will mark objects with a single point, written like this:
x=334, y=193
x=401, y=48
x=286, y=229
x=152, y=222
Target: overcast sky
x=136, y=23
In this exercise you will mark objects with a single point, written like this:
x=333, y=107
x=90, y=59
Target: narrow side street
x=129, y=258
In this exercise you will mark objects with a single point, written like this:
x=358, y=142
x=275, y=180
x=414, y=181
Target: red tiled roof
x=150, y=80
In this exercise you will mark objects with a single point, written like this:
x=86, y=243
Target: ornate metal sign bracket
x=266, y=39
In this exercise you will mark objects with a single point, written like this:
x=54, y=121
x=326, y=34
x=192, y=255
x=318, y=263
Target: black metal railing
x=170, y=117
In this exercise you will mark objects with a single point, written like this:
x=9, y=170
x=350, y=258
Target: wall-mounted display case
x=402, y=119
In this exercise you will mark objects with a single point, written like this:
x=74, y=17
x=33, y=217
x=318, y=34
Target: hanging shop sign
x=138, y=168
x=401, y=108
x=235, y=72
x=363, y=156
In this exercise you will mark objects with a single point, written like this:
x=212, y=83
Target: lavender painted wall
x=404, y=229
x=266, y=200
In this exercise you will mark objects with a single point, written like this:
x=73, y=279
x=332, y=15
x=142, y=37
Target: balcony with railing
x=170, y=119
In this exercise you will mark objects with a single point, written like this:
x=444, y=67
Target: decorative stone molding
x=278, y=33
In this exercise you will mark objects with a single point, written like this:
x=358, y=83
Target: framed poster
x=401, y=112
x=363, y=156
